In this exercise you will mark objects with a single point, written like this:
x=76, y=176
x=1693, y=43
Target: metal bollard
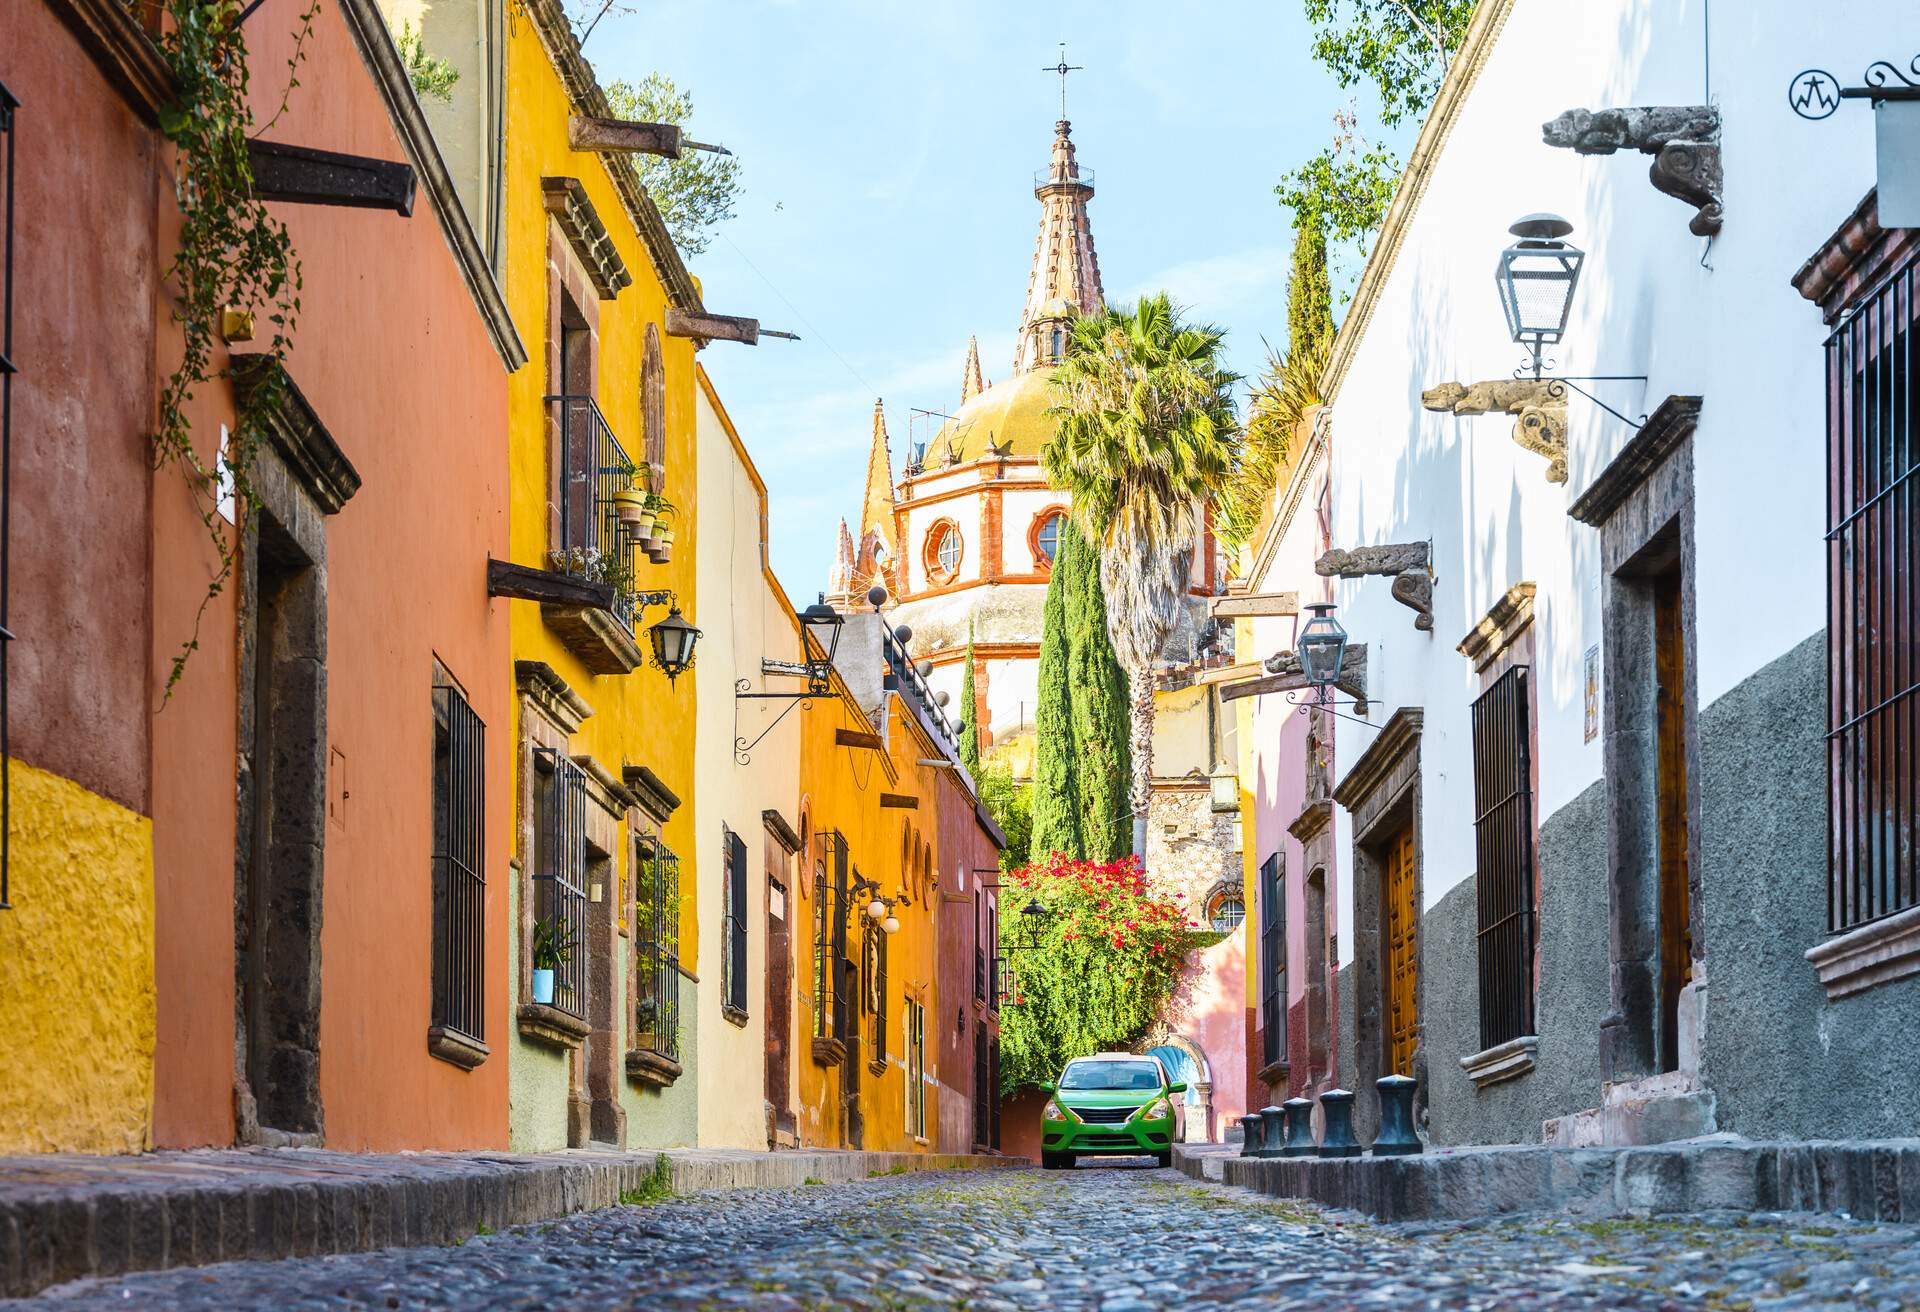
x=1397, y=1137
x=1336, y=1137
x=1250, y=1135
x=1300, y=1142
x=1272, y=1142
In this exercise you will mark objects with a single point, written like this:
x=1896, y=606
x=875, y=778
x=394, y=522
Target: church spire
x=876, y=507
x=972, y=384
x=1065, y=281
x=839, y=592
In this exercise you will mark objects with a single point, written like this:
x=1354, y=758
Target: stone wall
x=1190, y=846
x=1571, y=1000
x=1783, y=1061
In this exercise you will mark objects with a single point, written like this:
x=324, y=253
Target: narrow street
x=1117, y=1239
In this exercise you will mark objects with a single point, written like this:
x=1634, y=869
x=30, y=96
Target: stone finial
x=1684, y=141
x=1409, y=564
x=1539, y=407
x=971, y=382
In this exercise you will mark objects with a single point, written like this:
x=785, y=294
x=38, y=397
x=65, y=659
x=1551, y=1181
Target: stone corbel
x=1684, y=141
x=1409, y=564
x=1284, y=675
x=1539, y=409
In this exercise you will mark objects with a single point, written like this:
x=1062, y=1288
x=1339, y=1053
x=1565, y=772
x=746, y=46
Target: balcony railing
x=593, y=467
x=905, y=678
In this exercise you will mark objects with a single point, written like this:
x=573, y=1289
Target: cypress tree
x=1056, y=798
x=1101, y=739
x=1309, y=290
x=969, y=721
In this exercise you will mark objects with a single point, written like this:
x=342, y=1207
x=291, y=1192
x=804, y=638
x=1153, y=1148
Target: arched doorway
x=1188, y=1066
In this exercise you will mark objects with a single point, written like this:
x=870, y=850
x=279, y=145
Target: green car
x=1114, y=1104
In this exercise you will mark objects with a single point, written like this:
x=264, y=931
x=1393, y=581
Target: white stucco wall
x=1719, y=321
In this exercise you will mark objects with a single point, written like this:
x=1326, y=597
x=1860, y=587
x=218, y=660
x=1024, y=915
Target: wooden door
x=1676, y=919
x=1402, y=965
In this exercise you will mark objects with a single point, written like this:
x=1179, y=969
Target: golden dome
x=1012, y=415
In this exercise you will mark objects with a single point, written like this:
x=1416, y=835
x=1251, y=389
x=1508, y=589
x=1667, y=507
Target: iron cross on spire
x=1063, y=68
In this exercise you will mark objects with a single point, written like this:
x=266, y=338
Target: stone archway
x=1188, y=1062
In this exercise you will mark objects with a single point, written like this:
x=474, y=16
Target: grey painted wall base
x=1867, y=1180
x=64, y=1217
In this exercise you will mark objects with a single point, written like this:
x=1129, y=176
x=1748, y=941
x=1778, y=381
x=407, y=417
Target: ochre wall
x=391, y=352
x=76, y=972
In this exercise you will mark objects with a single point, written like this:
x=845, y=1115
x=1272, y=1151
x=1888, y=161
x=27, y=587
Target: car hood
x=1108, y=1097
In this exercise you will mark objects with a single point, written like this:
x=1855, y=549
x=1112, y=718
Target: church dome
x=1011, y=414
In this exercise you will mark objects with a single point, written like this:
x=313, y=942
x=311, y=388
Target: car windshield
x=1136, y=1076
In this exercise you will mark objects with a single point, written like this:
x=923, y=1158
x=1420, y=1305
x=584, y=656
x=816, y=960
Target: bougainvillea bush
x=1109, y=954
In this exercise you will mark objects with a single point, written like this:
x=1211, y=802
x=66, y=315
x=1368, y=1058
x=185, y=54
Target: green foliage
x=1344, y=190
x=1097, y=702
x=1055, y=800
x=1109, y=955
x=694, y=193
x=432, y=78
x=552, y=944
x=232, y=252
x=1289, y=386
x=1399, y=47
x=969, y=716
x=656, y=1188
x=1010, y=803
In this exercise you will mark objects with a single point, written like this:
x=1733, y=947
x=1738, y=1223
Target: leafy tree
x=1147, y=436
x=1345, y=189
x=1056, y=797
x=432, y=78
x=1289, y=386
x=1011, y=805
x=969, y=716
x=1109, y=954
x=1097, y=695
x=695, y=193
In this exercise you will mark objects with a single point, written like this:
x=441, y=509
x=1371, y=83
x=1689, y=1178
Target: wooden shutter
x=1503, y=845
x=736, y=922
x=1402, y=959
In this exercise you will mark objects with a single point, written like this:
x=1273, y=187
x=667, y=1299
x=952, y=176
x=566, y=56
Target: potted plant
x=552, y=949
x=646, y=1021
x=629, y=506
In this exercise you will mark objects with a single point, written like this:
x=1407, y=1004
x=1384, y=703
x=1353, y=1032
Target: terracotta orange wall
x=392, y=353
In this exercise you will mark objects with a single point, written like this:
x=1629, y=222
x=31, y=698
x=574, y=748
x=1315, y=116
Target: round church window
x=943, y=552
x=1047, y=540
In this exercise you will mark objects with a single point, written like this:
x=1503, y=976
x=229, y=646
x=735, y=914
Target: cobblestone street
x=1114, y=1239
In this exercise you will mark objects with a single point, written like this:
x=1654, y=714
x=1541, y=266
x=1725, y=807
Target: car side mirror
x=1046, y=1086
x=1176, y=1088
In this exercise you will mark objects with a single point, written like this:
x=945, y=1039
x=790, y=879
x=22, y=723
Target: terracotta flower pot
x=629, y=505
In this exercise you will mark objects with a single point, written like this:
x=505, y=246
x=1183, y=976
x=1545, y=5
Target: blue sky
x=888, y=151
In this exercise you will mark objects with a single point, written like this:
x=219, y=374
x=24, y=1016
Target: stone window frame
x=572, y=306
x=447, y=1042
x=1503, y=638
x=1851, y=266
x=1042, y=562
x=1222, y=891
x=938, y=574
x=1642, y=503
x=551, y=712
x=1382, y=794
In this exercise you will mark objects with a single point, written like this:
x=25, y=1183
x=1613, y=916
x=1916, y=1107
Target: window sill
x=459, y=1049
x=1276, y=1073
x=602, y=642
x=647, y=1067
x=828, y=1052
x=734, y=1016
x=1867, y=957
x=1503, y=1061
x=552, y=1026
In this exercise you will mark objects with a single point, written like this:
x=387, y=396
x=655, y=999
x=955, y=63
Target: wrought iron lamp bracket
x=1558, y=384
x=742, y=690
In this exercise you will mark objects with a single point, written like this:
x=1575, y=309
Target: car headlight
x=1157, y=1110
x=1053, y=1111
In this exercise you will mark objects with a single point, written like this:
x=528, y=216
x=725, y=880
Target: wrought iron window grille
x=829, y=935
x=593, y=543
x=733, y=959
x=1273, y=960
x=459, y=865
x=1503, y=840
x=9, y=106
x=560, y=881
x=1873, y=599
x=656, y=1018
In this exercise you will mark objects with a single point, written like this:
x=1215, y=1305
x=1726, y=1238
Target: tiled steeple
x=973, y=384
x=1065, y=281
x=876, y=507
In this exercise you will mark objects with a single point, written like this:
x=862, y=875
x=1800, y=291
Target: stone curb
x=1868, y=1180
x=64, y=1217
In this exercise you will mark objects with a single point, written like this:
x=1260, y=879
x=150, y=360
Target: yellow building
x=606, y=857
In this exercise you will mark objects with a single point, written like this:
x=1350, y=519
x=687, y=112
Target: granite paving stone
x=1101, y=1238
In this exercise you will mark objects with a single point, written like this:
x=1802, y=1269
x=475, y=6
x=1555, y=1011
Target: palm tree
x=1147, y=437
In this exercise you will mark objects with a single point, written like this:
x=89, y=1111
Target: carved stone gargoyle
x=1540, y=408
x=1684, y=141
x=1352, y=680
x=1409, y=564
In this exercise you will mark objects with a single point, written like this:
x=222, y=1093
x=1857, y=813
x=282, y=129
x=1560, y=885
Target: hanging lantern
x=1536, y=277
x=1322, y=647
x=673, y=643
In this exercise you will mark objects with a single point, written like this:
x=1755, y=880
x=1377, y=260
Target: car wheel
x=1055, y=1161
x=1164, y=1159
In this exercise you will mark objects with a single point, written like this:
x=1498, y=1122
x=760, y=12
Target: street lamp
x=1536, y=277
x=1322, y=647
x=673, y=643
x=822, y=623
x=1224, y=787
